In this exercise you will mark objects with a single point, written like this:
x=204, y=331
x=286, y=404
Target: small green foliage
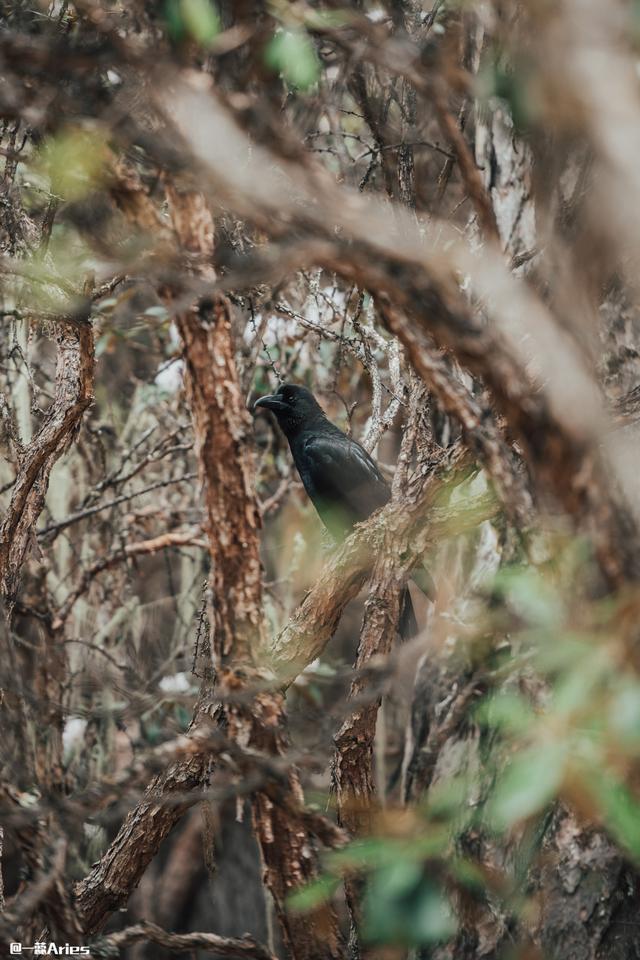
x=620, y=810
x=201, y=20
x=74, y=162
x=531, y=596
x=402, y=905
x=291, y=53
x=507, y=711
x=624, y=712
x=313, y=894
x=159, y=311
x=528, y=784
x=574, y=688
x=183, y=717
x=510, y=86
x=106, y=305
x=326, y=19
x=193, y=19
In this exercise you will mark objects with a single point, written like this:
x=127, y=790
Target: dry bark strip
x=352, y=773
x=223, y=438
x=288, y=853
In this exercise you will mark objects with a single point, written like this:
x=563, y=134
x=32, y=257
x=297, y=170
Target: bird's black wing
x=341, y=478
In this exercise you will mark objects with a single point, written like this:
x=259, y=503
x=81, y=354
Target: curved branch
x=183, y=942
x=74, y=394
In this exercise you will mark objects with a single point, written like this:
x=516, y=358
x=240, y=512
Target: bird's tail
x=421, y=576
x=407, y=625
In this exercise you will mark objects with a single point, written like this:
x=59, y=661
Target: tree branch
x=74, y=394
x=182, y=942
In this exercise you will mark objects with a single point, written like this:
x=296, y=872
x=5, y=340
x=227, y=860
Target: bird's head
x=294, y=406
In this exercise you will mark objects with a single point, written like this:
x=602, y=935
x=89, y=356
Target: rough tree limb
x=417, y=521
x=183, y=942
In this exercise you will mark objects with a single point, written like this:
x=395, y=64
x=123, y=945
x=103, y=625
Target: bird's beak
x=272, y=402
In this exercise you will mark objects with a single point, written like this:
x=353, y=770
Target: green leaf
x=313, y=895
x=397, y=879
x=106, y=304
x=556, y=652
x=173, y=19
x=103, y=344
x=433, y=919
x=450, y=797
x=183, y=717
x=468, y=874
x=158, y=311
x=197, y=19
x=624, y=712
x=530, y=781
x=533, y=598
x=576, y=688
x=326, y=19
x=201, y=20
x=74, y=161
x=292, y=54
x=403, y=906
x=360, y=854
x=507, y=711
x=620, y=810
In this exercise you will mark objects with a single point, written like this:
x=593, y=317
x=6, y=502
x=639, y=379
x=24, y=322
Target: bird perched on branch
x=343, y=482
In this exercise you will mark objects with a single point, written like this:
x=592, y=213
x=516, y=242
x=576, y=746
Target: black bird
x=341, y=479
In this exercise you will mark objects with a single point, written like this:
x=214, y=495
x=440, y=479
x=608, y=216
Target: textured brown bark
x=588, y=896
x=288, y=853
x=223, y=445
x=109, y=884
x=352, y=771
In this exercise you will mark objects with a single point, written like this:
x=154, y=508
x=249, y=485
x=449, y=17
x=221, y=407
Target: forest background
x=212, y=741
